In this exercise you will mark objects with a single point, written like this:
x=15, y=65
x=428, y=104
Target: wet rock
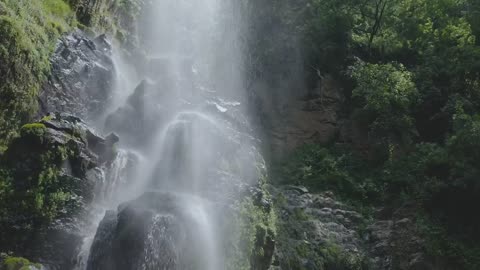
x=81, y=79
x=138, y=119
x=155, y=231
x=52, y=160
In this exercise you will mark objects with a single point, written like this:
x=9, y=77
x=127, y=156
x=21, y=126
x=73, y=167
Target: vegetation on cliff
x=410, y=72
x=17, y=263
x=29, y=31
x=34, y=189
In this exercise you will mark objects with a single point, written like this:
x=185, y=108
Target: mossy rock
x=18, y=263
x=47, y=166
x=252, y=232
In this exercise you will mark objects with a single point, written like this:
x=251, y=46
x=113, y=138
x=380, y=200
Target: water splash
x=192, y=147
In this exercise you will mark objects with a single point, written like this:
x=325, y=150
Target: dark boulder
x=155, y=231
x=49, y=164
x=138, y=119
x=81, y=79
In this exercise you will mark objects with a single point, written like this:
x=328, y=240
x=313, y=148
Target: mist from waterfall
x=182, y=125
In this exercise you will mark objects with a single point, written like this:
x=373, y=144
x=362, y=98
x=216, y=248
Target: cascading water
x=195, y=154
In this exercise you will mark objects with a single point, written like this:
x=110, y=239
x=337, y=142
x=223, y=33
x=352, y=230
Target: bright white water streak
x=176, y=30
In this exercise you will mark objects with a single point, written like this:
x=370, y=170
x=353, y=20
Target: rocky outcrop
x=81, y=77
x=183, y=125
x=155, y=231
x=317, y=232
x=133, y=120
x=49, y=165
x=396, y=242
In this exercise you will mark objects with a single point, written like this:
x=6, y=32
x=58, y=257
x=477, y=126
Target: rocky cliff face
x=50, y=164
x=81, y=78
x=318, y=231
x=58, y=165
x=313, y=118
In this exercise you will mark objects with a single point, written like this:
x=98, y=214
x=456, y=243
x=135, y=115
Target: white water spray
x=190, y=153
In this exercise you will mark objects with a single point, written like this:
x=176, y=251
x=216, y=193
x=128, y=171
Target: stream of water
x=180, y=140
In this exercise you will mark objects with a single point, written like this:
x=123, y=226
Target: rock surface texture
x=310, y=118
x=316, y=232
x=154, y=231
x=319, y=232
x=81, y=78
x=52, y=160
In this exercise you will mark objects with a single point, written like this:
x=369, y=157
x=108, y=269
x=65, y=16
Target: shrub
x=388, y=94
x=335, y=169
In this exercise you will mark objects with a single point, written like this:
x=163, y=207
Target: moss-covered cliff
x=29, y=31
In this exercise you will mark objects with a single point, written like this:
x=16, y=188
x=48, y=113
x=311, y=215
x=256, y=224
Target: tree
x=387, y=93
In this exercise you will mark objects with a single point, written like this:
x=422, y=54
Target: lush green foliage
x=411, y=74
x=443, y=244
x=438, y=178
x=388, y=96
x=332, y=169
x=29, y=31
x=32, y=188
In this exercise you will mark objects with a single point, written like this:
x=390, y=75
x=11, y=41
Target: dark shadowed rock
x=81, y=78
x=52, y=160
x=152, y=232
x=150, y=104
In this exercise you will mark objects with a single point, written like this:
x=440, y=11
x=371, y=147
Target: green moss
x=33, y=183
x=251, y=229
x=34, y=130
x=29, y=31
x=47, y=118
x=34, y=126
x=18, y=263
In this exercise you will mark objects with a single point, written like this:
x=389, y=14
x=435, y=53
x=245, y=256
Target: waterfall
x=194, y=151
